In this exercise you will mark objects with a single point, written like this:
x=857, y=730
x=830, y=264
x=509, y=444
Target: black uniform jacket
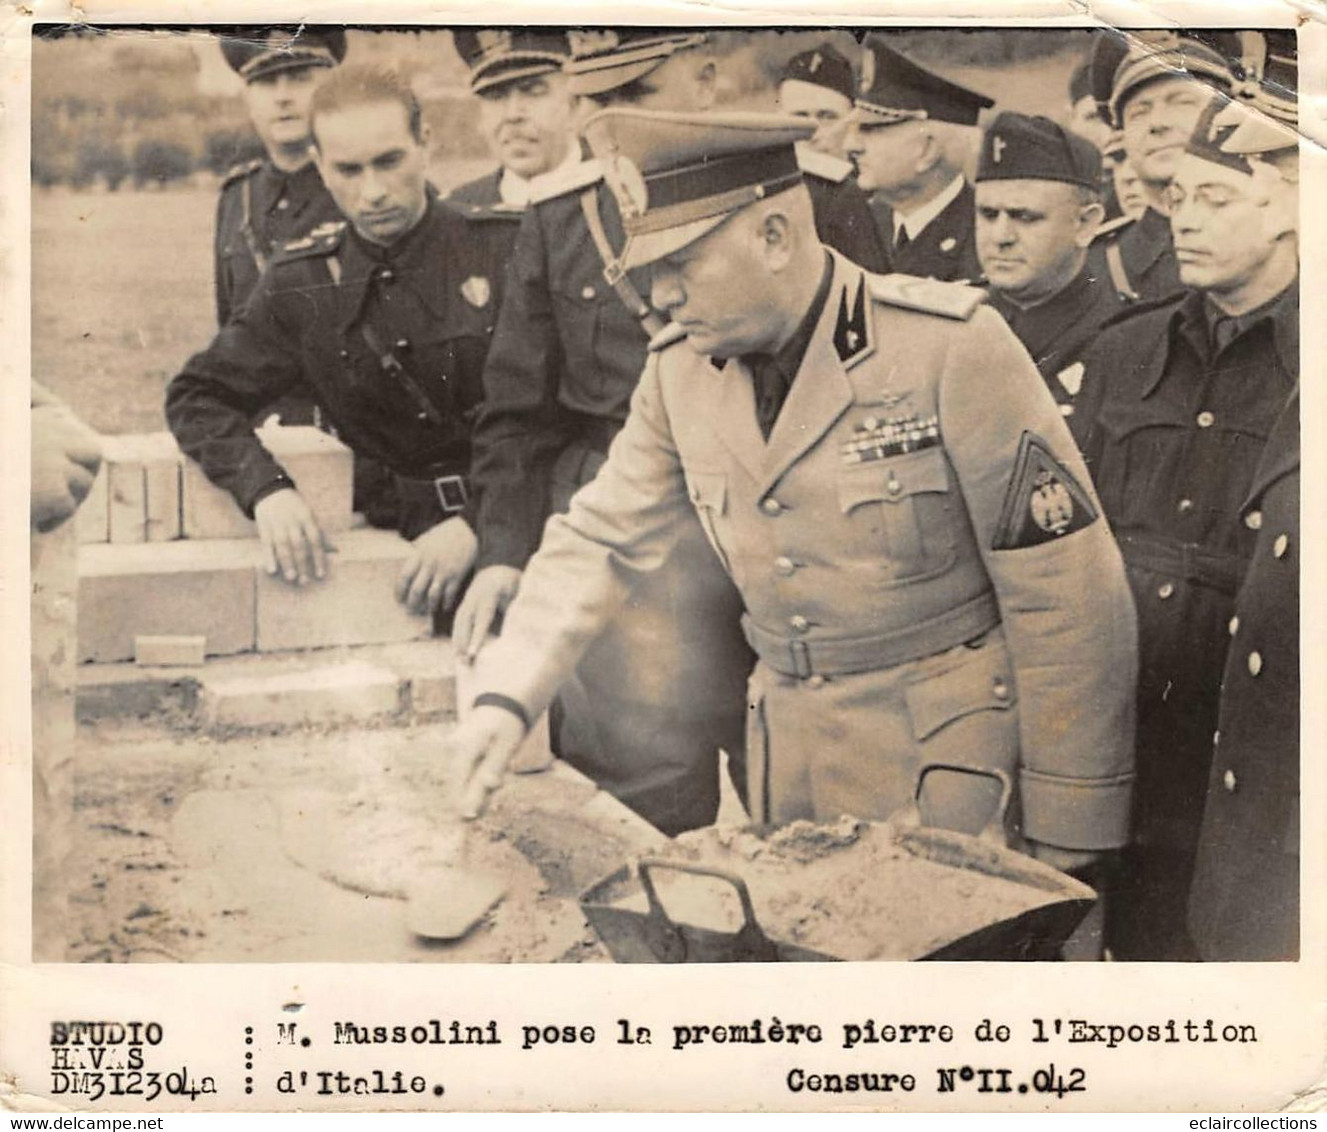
x=1144, y=268
x=385, y=336
x=492, y=225
x=567, y=354
x=260, y=210
x=946, y=248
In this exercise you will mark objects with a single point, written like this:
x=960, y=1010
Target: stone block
x=354, y=605
x=166, y=589
x=169, y=650
x=143, y=487
x=321, y=466
x=433, y=693
x=335, y=692
x=92, y=522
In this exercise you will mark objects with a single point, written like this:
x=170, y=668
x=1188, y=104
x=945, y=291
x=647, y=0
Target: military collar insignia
x=852, y=337
x=1043, y=501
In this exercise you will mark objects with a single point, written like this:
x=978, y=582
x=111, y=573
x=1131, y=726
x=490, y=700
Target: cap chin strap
x=614, y=274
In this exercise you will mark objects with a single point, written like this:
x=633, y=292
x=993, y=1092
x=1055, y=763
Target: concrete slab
x=165, y=589
x=321, y=466
x=354, y=605
x=354, y=691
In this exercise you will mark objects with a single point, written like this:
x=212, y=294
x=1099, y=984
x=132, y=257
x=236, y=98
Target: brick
x=321, y=466
x=335, y=692
x=169, y=650
x=165, y=589
x=354, y=605
x=93, y=519
x=433, y=693
x=144, y=487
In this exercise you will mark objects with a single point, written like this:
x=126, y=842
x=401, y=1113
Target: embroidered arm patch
x=1043, y=501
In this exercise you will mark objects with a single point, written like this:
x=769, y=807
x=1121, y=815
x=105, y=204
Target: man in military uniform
x=1038, y=208
x=1244, y=905
x=1158, y=88
x=663, y=691
x=526, y=114
x=372, y=316
x=909, y=139
x=267, y=202
x=1178, y=402
x=818, y=84
x=925, y=574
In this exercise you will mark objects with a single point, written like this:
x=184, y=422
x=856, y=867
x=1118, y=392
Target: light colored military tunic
x=925, y=574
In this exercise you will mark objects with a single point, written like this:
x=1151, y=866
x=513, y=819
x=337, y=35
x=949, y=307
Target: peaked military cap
x=1167, y=54
x=677, y=177
x=895, y=89
x=1017, y=147
x=507, y=55
x=601, y=62
x=1109, y=50
x=265, y=51
x=1211, y=132
x=821, y=66
x=1267, y=77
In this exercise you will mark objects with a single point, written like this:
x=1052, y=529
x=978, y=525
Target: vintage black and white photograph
x=584, y=495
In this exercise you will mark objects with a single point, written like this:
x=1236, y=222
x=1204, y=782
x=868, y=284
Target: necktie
x=771, y=390
x=901, y=240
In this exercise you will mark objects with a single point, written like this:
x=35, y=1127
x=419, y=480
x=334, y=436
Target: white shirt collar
x=917, y=220
x=515, y=190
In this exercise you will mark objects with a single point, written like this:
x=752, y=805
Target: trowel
x=447, y=896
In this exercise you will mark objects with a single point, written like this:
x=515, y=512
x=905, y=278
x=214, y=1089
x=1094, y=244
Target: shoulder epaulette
x=1113, y=226
x=1143, y=306
x=823, y=165
x=666, y=337
x=242, y=170
x=931, y=296
x=562, y=181
x=500, y=210
x=322, y=240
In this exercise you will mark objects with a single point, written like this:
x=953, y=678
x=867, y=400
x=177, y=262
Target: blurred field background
x=132, y=130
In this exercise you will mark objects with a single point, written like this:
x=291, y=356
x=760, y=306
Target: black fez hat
x=1080, y=83
x=604, y=61
x=1017, y=147
x=1210, y=134
x=1108, y=51
x=894, y=89
x=506, y=55
x=265, y=51
x=822, y=66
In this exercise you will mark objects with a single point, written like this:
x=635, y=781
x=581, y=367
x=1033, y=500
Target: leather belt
x=794, y=656
x=1218, y=569
x=453, y=492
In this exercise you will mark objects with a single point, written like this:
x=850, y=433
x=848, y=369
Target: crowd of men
x=773, y=434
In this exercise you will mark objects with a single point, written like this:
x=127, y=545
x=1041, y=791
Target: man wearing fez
x=280, y=196
x=662, y=691
x=372, y=314
x=1244, y=905
x=1180, y=402
x=1038, y=209
x=1158, y=87
x=818, y=84
x=909, y=139
x=526, y=115
x=925, y=574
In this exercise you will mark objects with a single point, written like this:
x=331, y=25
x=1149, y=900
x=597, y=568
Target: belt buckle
x=452, y=493
x=801, y=659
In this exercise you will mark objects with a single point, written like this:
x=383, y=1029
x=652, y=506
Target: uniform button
x=1185, y=506
x=1206, y=419
x=386, y=275
x=344, y=354
x=1234, y=625
x=893, y=486
x=1280, y=546
x=421, y=416
x=816, y=681
x=587, y=292
x=1253, y=520
x=1000, y=689
x=403, y=343
x=771, y=506
x=1255, y=663
x=283, y=204
x=1066, y=410
x=871, y=424
x=798, y=623
x=1229, y=781
x=1166, y=590
x=784, y=566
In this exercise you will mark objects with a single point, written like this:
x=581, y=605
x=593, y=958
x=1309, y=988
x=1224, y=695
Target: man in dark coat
x=1177, y=404
x=372, y=316
x=910, y=140
x=526, y=115
x=1038, y=206
x=1245, y=900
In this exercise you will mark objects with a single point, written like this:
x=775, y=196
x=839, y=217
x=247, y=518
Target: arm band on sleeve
x=497, y=699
